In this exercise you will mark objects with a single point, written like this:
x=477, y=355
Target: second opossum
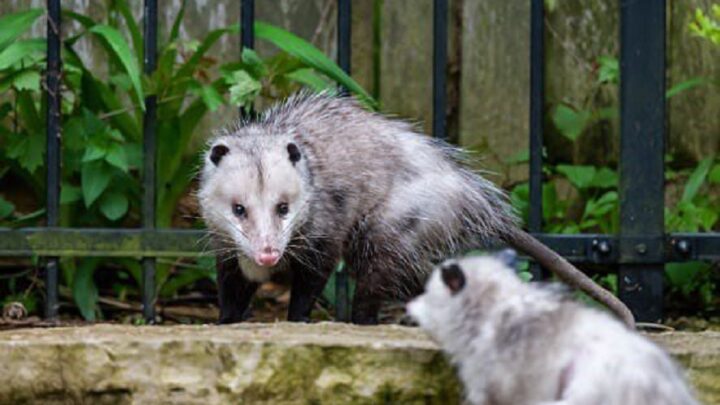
x=318, y=178
x=519, y=343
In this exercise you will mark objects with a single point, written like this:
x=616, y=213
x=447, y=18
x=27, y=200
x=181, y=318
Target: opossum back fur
x=377, y=188
x=520, y=343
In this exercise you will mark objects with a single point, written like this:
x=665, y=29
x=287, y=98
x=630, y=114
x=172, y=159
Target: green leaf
x=714, y=175
x=95, y=177
x=604, y=178
x=69, y=193
x=6, y=208
x=696, y=180
x=212, y=99
x=522, y=156
x=686, y=85
x=27, y=80
x=137, y=40
x=85, y=292
x=19, y=50
x=252, y=62
x=176, y=24
x=609, y=71
x=28, y=151
x=93, y=152
x=580, y=176
x=309, y=78
x=244, y=88
x=123, y=53
x=117, y=157
x=569, y=122
x=114, y=205
x=311, y=56
x=15, y=24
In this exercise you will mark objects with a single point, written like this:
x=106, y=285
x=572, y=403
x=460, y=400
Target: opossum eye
x=239, y=210
x=217, y=152
x=293, y=152
x=453, y=277
x=282, y=209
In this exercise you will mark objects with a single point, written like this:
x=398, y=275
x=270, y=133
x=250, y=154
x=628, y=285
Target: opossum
x=319, y=178
x=521, y=343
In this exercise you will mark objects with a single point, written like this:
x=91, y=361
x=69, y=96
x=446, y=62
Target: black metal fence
x=639, y=251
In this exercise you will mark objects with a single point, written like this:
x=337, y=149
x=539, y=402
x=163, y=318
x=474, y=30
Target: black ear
x=508, y=257
x=293, y=152
x=453, y=277
x=217, y=153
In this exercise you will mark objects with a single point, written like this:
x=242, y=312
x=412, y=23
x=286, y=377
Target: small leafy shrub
x=102, y=117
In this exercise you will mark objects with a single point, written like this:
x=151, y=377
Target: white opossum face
x=253, y=194
x=457, y=287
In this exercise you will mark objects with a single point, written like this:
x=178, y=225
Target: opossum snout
x=267, y=257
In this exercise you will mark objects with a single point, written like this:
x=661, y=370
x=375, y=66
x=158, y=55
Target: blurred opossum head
x=254, y=193
x=462, y=290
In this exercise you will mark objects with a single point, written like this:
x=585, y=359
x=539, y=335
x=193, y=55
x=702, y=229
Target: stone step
x=282, y=363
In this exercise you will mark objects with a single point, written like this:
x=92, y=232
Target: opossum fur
x=520, y=343
x=358, y=186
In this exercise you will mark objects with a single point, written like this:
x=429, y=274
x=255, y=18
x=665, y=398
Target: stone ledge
x=257, y=363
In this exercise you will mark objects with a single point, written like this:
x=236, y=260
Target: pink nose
x=267, y=258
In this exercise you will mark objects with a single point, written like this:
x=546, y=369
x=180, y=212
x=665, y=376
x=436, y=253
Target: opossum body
x=517, y=343
x=318, y=178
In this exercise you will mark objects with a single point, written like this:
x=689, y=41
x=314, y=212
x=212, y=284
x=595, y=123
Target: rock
x=250, y=363
x=280, y=363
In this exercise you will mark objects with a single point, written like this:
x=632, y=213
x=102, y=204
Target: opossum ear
x=508, y=257
x=293, y=152
x=217, y=153
x=453, y=277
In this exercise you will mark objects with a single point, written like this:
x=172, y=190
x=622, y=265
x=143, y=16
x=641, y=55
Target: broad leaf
x=19, y=50
x=27, y=80
x=95, y=177
x=114, y=205
x=117, y=157
x=124, y=54
x=243, y=88
x=571, y=123
x=15, y=24
x=580, y=176
x=69, y=193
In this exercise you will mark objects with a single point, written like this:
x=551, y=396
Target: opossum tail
x=547, y=258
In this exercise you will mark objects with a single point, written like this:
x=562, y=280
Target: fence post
x=52, y=203
x=149, y=157
x=342, y=290
x=247, y=37
x=642, y=114
x=537, y=99
x=440, y=40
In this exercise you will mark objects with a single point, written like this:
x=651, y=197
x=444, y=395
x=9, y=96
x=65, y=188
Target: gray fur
x=388, y=199
x=518, y=343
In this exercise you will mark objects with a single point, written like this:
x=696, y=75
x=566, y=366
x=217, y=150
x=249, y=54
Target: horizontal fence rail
x=639, y=252
x=64, y=242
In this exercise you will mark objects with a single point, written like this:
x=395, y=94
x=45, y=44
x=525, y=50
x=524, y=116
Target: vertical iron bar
x=642, y=145
x=52, y=74
x=440, y=39
x=537, y=99
x=149, y=157
x=247, y=37
x=342, y=307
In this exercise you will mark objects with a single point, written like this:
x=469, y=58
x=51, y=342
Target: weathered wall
x=259, y=364
x=494, y=82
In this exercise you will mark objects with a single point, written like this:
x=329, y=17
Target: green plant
x=102, y=119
